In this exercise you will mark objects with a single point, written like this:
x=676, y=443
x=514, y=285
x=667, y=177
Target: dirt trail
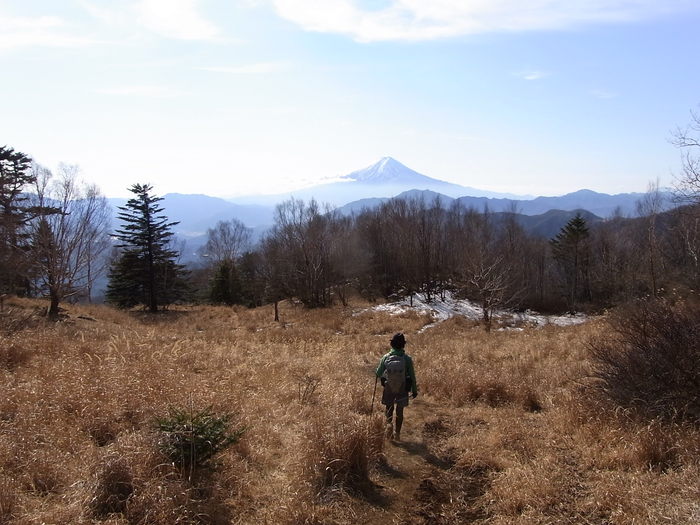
x=407, y=484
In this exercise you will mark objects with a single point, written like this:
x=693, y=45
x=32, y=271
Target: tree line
x=53, y=230
x=405, y=247
x=56, y=239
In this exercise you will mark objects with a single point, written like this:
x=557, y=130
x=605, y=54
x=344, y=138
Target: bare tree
x=273, y=269
x=227, y=241
x=346, y=257
x=302, y=239
x=688, y=142
x=649, y=208
x=488, y=273
x=683, y=245
x=69, y=235
x=488, y=281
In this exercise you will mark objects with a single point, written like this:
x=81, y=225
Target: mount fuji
x=385, y=178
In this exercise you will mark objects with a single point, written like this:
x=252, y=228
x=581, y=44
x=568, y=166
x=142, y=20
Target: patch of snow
x=440, y=310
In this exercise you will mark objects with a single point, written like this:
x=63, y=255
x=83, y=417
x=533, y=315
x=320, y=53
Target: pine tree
x=146, y=272
x=15, y=176
x=570, y=249
x=226, y=284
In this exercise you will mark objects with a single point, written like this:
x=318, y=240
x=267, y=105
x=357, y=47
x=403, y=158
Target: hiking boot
x=397, y=435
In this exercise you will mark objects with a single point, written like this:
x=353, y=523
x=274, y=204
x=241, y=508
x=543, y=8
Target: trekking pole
x=371, y=410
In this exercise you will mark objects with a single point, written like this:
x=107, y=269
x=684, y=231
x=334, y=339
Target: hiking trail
x=408, y=483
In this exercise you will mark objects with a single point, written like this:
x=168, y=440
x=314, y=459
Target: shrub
x=340, y=451
x=650, y=363
x=113, y=487
x=190, y=439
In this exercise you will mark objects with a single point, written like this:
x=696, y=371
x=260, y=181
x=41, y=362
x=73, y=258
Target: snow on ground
x=441, y=310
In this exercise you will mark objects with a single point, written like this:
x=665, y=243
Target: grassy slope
x=500, y=433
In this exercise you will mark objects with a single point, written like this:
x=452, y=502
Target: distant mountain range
x=600, y=204
x=386, y=179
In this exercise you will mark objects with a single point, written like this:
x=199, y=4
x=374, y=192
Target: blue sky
x=231, y=97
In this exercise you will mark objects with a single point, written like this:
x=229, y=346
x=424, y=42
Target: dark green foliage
x=650, y=362
x=250, y=269
x=15, y=177
x=226, y=284
x=146, y=272
x=125, y=288
x=571, y=250
x=190, y=439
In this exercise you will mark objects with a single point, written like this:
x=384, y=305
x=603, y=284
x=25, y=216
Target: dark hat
x=398, y=341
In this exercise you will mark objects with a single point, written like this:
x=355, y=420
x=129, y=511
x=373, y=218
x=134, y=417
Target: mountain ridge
x=384, y=180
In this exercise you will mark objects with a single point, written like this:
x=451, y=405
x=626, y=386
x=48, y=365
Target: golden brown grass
x=507, y=436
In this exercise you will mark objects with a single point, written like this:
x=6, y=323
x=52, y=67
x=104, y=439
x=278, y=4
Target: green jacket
x=409, y=367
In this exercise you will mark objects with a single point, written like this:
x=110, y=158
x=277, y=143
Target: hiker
x=398, y=379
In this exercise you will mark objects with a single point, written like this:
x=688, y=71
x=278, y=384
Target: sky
x=239, y=97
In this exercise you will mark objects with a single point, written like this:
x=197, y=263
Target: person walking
x=398, y=378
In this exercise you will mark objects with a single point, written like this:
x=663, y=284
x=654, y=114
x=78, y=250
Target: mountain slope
x=600, y=204
x=545, y=225
x=196, y=213
x=383, y=179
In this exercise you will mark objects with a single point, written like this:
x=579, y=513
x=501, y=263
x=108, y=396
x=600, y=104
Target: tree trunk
x=277, y=311
x=487, y=317
x=52, y=312
x=652, y=265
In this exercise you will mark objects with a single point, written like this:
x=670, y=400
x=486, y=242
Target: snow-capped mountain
x=385, y=178
x=390, y=171
x=369, y=187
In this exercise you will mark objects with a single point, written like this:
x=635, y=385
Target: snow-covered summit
x=390, y=171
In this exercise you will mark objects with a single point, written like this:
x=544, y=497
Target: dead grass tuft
x=13, y=355
x=9, y=500
x=341, y=449
x=113, y=486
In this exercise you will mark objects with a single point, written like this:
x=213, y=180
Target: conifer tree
x=146, y=271
x=226, y=284
x=15, y=176
x=570, y=249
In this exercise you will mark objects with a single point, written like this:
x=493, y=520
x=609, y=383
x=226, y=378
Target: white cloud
x=109, y=15
x=251, y=69
x=178, y=19
x=45, y=31
x=532, y=75
x=141, y=91
x=425, y=20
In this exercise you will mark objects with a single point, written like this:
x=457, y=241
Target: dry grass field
x=502, y=432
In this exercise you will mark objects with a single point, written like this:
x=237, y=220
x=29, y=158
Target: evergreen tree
x=571, y=250
x=146, y=271
x=15, y=176
x=226, y=284
x=250, y=270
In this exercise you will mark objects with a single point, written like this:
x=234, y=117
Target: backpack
x=395, y=373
